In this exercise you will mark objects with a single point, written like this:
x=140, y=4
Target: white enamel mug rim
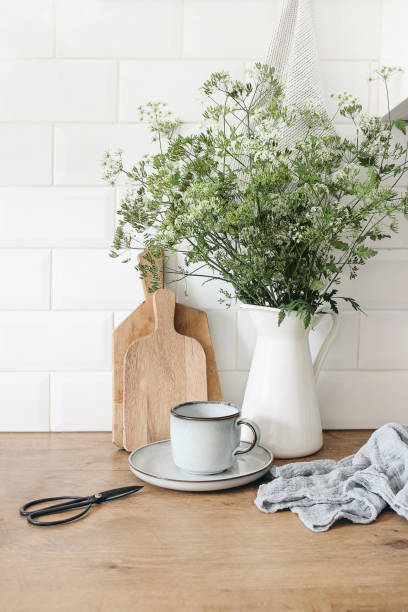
x=205, y=418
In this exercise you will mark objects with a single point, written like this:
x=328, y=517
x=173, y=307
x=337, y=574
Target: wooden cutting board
x=188, y=321
x=160, y=371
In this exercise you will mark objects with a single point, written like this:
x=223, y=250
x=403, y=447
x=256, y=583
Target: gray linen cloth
x=357, y=487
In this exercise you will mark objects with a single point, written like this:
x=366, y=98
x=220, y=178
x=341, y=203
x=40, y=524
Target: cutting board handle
x=164, y=304
x=146, y=282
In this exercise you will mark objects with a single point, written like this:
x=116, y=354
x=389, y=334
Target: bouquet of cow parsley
x=280, y=222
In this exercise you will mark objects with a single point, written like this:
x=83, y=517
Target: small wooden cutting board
x=188, y=321
x=160, y=371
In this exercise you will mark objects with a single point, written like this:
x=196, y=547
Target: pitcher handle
x=321, y=355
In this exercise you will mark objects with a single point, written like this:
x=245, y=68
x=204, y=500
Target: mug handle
x=257, y=435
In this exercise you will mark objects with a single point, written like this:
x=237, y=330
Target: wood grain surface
x=160, y=371
x=188, y=321
x=174, y=551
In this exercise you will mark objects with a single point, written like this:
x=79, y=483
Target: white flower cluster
x=349, y=172
x=364, y=120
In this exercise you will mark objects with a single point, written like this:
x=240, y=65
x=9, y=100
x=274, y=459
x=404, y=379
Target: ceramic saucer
x=154, y=464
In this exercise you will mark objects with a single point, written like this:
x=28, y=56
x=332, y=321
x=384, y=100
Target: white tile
x=229, y=28
x=40, y=341
x=56, y=216
x=57, y=90
x=192, y=292
x=175, y=82
x=381, y=283
x=26, y=28
x=118, y=28
x=25, y=280
x=394, y=51
x=79, y=150
x=25, y=154
x=393, y=33
x=342, y=354
x=223, y=336
x=350, y=400
x=384, y=341
x=24, y=401
x=92, y=280
x=81, y=401
x=233, y=386
x=198, y=291
x=348, y=29
x=338, y=77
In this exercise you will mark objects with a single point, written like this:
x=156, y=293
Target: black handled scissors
x=76, y=502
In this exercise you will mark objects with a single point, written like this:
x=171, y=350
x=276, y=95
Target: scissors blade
x=116, y=493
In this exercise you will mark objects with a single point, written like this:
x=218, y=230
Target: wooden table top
x=167, y=550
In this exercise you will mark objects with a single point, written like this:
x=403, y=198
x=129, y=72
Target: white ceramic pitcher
x=281, y=394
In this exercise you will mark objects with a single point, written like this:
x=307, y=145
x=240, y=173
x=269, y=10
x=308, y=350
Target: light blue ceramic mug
x=205, y=436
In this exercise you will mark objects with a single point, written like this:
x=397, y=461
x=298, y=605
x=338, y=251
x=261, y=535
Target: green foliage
x=280, y=223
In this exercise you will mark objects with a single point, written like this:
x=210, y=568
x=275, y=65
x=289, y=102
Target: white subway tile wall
x=50, y=340
x=27, y=28
x=226, y=29
x=26, y=154
x=340, y=76
x=56, y=217
x=80, y=400
x=348, y=30
x=73, y=73
x=175, y=82
x=57, y=90
x=25, y=279
x=89, y=280
x=24, y=401
x=119, y=29
x=79, y=149
x=394, y=50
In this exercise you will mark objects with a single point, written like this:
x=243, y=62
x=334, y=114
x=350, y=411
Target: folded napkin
x=357, y=487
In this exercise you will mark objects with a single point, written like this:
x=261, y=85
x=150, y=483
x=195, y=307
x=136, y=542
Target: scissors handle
x=76, y=502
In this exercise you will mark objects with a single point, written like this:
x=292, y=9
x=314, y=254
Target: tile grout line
x=358, y=339
x=121, y=309
x=236, y=340
x=220, y=371
x=54, y=24
x=51, y=371
x=49, y=401
x=52, y=155
x=114, y=213
x=117, y=89
x=51, y=298
x=182, y=29
x=380, y=34
x=370, y=88
x=381, y=31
